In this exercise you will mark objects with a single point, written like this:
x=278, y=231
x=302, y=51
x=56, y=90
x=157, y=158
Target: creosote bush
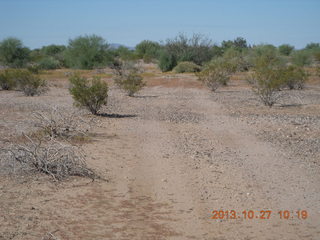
x=266, y=83
x=7, y=80
x=23, y=80
x=128, y=77
x=91, y=94
x=186, y=67
x=217, y=73
x=294, y=77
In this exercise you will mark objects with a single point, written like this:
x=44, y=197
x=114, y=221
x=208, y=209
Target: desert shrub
x=301, y=58
x=91, y=94
x=49, y=63
x=30, y=84
x=318, y=71
x=266, y=80
x=285, y=49
x=183, y=67
x=87, y=52
x=237, y=58
x=128, y=77
x=23, y=80
x=62, y=123
x=33, y=68
x=294, y=77
x=167, y=61
x=13, y=53
x=7, y=79
x=265, y=55
x=217, y=73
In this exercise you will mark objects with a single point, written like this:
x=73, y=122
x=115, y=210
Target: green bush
x=23, y=80
x=265, y=55
x=285, y=49
x=167, y=61
x=266, y=81
x=318, y=71
x=186, y=67
x=7, y=79
x=91, y=94
x=128, y=77
x=13, y=53
x=237, y=58
x=217, y=73
x=131, y=83
x=294, y=77
x=49, y=63
x=87, y=52
x=301, y=58
x=30, y=84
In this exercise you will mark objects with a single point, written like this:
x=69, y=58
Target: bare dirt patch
x=171, y=156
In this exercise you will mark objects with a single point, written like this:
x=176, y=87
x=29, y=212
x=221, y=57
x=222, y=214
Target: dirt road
x=172, y=156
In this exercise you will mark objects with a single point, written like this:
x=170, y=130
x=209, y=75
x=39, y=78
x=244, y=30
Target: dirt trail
x=173, y=156
x=182, y=157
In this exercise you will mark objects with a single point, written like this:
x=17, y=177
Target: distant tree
x=124, y=53
x=13, y=53
x=285, y=49
x=53, y=50
x=148, y=49
x=312, y=45
x=87, y=52
x=238, y=44
x=196, y=49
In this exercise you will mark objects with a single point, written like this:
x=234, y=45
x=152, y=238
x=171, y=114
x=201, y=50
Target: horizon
x=40, y=23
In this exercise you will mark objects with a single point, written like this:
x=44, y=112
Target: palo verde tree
x=87, y=52
x=148, y=50
x=285, y=49
x=196, y=49
x=13, y=53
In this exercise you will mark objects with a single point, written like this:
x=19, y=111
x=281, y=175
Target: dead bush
x=54, y=158
x=62, y=123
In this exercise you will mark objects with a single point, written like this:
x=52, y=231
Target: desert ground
x=169, y=157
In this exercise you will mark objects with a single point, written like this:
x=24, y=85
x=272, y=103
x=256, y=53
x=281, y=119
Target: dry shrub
x=128, y=76
x=57, y=159
x=63, y=123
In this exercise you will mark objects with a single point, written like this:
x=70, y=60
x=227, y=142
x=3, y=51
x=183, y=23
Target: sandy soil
x=172, y=156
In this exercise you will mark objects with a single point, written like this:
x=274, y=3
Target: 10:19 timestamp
x=261, y=214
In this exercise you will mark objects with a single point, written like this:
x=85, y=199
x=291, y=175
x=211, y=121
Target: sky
x=43, y=22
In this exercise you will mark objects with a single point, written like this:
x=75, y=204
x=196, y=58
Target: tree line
x=92, y=51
